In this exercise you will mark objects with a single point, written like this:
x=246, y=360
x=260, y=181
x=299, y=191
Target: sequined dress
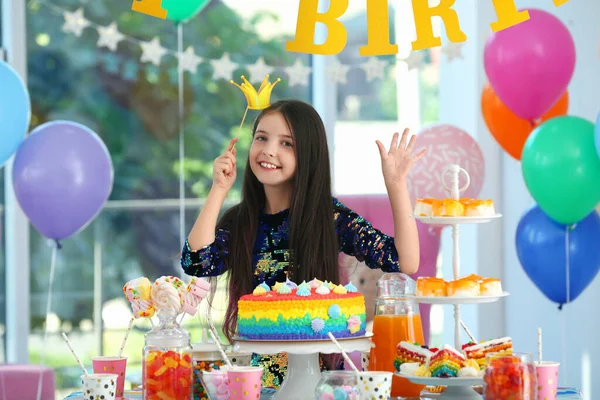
x=356, y=237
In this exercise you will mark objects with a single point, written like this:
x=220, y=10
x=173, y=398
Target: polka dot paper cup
x=112, y=365
x=547, y=378
x=244, y=383
x=375, y=385
x=99, y=386
x=365, y=358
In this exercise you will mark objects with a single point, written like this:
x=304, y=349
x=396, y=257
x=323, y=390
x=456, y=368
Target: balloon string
x=48, y=308
x=568, y=289
x=181, y=140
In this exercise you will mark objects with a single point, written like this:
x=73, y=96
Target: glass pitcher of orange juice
x=397, y=318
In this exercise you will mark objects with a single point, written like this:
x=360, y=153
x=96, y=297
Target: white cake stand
x=454, y=171
x=303, y=372
x=456, y=388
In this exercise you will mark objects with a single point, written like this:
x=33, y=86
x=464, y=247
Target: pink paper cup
x=112, y=365
x=244, y=383
x=547, y=378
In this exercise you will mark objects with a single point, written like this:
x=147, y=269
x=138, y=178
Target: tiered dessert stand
x=303, y=372
x=456, y=388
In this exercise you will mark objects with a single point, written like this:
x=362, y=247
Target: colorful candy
x=199, y=368
x=509, y=378
x=167, y=375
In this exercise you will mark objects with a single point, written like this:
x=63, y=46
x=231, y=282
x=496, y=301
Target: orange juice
x=388, y=331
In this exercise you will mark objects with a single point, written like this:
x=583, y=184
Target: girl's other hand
x=397, y=162
x=224, y=168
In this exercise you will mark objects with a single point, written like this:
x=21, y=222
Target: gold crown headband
x=257, y=100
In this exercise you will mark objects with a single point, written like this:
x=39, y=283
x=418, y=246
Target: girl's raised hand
x=397, y=162
x=224, y=168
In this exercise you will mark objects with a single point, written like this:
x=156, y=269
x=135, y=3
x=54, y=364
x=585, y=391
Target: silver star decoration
x=414, y=60
x=298, y=73
x=109, y=36
x=258, y=70
x=453, y=50
x=75, y=22
x=188, y=60
x=337, y=71
x=152, y=51
x=374, y=68
x=223, y=67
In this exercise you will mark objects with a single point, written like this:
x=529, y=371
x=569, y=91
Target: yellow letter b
x=308, y=16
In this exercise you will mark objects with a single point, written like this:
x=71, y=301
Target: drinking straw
x=225, y=358
x=468, y=333
x=75, y=355
x=539, y=345
x=343, y=353
x=126, y=335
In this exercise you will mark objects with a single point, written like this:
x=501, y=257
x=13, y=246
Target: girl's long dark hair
x=312, y=237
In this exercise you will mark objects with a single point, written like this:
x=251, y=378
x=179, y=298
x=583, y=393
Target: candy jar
x=205, y=357
x=167, y=360
x=336, y=385
x=397, y=318
x=510, y=376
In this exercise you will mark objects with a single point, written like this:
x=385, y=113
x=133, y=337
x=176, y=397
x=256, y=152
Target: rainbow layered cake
x=478, y=351
x=307, y=311
x=446, y=362
x=411, y=353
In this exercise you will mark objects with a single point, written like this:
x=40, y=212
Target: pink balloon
x=445, y=144
x=530, y=65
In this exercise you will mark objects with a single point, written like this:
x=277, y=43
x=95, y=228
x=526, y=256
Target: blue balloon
x=597, y=135
x=15, y=111
x=542, y=252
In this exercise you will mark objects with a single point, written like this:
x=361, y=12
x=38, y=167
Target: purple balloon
x=62, y=176
x=530, y=65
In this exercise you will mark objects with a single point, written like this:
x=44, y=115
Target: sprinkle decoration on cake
x=468, y=286
x=308, y=311
x=465, y=207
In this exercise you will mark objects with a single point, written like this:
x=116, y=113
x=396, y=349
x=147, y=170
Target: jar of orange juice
x=397, y=318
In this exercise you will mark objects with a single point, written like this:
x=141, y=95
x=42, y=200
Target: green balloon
x=561, y=168
x=183, y=10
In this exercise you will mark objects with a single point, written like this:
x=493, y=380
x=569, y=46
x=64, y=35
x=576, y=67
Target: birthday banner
x=378, y=39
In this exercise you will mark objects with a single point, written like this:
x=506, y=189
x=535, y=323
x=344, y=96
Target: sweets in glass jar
x=199, y=368
x=510, y=377
x=167, y=375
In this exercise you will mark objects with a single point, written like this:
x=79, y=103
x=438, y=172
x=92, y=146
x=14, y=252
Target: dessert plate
x=455, y=220
x=429, y=381
x=459, y=299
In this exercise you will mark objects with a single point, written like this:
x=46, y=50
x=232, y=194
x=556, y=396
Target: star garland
x=298, y=74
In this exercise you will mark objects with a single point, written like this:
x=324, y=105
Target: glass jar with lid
x=167, y=360
x=338, y=385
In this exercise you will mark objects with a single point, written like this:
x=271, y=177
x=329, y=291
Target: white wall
x=570, y=336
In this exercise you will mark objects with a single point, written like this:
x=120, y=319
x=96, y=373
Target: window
x=133, y=106
x=404, y=95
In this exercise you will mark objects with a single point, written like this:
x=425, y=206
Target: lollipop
x=196, y=290
x=139, y=293
x=167, y=293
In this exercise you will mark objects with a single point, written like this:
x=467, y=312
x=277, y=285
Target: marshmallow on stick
x=167, y=293
x=138, y=292
x=196, y=290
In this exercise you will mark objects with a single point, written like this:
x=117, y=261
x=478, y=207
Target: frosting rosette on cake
x=167, y=293
x=139, y=293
